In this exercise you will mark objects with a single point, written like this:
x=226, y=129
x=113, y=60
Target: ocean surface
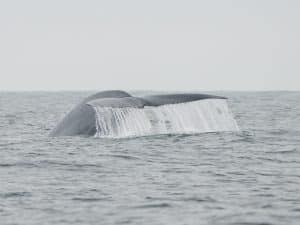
x=247, y=177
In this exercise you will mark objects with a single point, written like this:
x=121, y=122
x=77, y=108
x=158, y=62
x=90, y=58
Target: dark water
x=251, y=177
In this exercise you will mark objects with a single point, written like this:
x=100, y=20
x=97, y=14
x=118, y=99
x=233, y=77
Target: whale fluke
x=119, y=110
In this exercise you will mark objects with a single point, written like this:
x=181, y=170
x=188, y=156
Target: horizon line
x=154, y=90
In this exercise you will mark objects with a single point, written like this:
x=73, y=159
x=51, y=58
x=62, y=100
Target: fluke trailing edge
x=110, y=113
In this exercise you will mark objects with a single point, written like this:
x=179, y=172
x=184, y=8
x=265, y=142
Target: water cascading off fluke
x=209, y=115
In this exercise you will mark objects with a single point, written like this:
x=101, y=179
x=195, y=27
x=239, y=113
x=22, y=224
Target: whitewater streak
x=209, y=115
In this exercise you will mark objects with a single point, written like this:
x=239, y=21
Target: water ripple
x=249, y=177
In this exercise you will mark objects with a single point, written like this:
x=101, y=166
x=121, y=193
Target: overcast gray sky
x=157, y=44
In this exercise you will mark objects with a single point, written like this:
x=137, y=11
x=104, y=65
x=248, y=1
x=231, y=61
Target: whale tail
x=118, y=114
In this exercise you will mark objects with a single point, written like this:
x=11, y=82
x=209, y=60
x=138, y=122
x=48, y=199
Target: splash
x=210, y=115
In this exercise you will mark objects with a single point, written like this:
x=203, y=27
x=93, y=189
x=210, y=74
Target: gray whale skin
x=82, y=119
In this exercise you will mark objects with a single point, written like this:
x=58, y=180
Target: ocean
x=249, y=176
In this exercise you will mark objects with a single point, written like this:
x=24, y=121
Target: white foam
x=210, y=115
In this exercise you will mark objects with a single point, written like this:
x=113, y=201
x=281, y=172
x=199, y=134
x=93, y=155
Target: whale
x=81, y=120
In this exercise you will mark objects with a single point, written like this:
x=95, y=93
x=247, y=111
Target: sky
x=149, y=45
